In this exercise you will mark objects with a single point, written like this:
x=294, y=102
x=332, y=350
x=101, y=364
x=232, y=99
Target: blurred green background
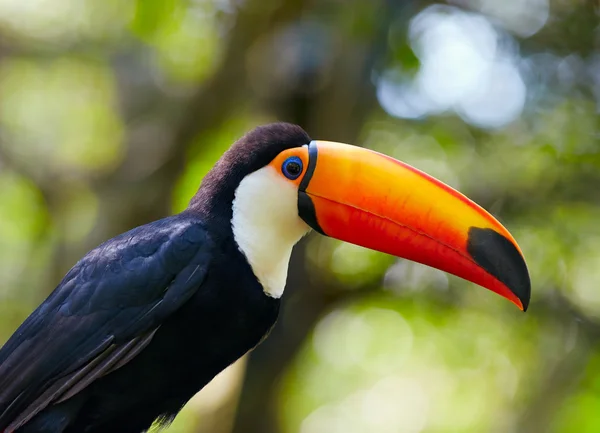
x=112, y=111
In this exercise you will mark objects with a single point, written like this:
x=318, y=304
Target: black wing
x=101, y=315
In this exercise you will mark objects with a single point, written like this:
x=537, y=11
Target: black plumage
x=145, y=320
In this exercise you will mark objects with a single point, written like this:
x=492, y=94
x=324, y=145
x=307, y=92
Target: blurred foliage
x=112, y=112
x=40, y=103
x=184, y=36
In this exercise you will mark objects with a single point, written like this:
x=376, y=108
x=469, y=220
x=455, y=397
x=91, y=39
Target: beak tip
x=500, y=257
x=523, y=305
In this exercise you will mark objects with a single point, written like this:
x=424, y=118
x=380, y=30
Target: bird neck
x=266, y=227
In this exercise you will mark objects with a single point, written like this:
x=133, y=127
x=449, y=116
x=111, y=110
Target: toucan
x=145, y=320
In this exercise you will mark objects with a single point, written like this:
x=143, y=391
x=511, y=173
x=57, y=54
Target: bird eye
x=292, y=167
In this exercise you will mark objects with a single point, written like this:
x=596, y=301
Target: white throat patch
x=266, y=226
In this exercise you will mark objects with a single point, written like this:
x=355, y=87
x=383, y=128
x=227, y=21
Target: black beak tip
x=525, y=302
x=499, y=256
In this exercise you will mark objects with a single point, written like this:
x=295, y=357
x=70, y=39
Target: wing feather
x=103, y=313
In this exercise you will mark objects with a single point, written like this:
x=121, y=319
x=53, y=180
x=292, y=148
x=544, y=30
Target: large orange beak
x=369, y=199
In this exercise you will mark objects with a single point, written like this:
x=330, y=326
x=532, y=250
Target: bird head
x=280, y=184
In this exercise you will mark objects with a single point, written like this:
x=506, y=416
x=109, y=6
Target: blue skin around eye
x=287, y=162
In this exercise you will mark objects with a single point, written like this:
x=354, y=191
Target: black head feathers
x=250, y=153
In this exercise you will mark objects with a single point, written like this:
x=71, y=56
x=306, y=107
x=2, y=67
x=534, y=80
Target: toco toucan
x=144, y=321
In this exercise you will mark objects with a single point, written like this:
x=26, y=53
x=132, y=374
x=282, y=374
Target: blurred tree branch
x=336, y=112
